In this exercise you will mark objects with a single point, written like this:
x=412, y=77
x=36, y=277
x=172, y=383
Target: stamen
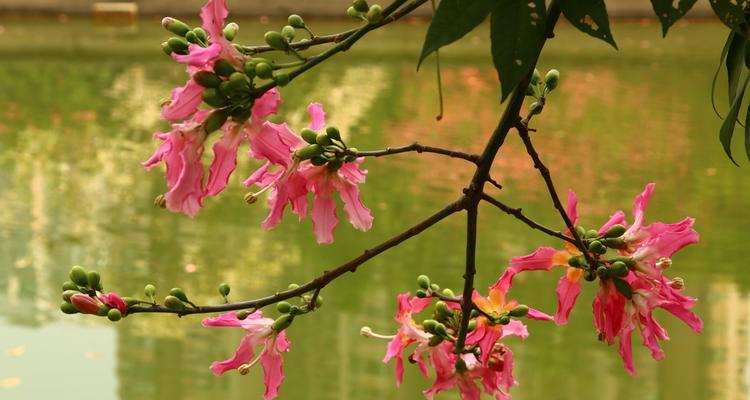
x=677, y=283
x=244, y=369
x=366, y=331
x=252, y=197
x=664, y=263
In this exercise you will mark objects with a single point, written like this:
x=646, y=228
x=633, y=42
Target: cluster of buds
x=325, y=147
x=83, y=294
x=539, y=89
x=369, y=13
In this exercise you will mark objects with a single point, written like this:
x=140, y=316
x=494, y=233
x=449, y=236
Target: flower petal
x=242, y=355
x=317, y=116
x=185, y=101
x=568, y=289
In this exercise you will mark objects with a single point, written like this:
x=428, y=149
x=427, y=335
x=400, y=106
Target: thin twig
x=419, y=148
x=518, y=213
x=494, y=183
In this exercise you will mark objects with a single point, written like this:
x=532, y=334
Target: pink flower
x=85, y=303
x=293, y=179
x=408, y=334
x=114, y=301
x=260, y=334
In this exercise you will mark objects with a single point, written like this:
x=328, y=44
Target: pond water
x=78, y=105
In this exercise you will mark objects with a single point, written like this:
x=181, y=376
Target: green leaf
x=747, y=133
x=735, y=63
x=589, y=16
x=453, y=19
x=623, y=287
x=727, y=128
x=731, y=14
x=517, y=33
x=668, y=13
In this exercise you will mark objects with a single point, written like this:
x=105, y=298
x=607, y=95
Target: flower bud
x=85, y=303
x=597, y=247
x=420, y=293
x=223, y=67
x=536, y=108
x=131, y=301
x=423, y=281
x=333, y=133
x=230, y=31
x=623, y=287
x=94, y=279
x=504, y=320
x=592, y=234
x=322, y=139
x=292, y=286
x=352, y=12
x=166, y=49
x=68, y=308
x=615, y=231
x=629, y=262
x=276, y=40
x=200, y=33
x=519, y=311
x=435, y=287
x=78, y=276
x=435, y=340
x=530, y=90
x=213, y=98
x=441, y=330
x=149, y=290
x=308, y=152
x=68, y=285
x=603, y=272
x=264, y=70
x=589, y=275
x=552, y=79
x=619, y=269
x=207, y=79
x=179, y=293
x=429, y=325
x=282, y=322
x=178, y=45
x=114, y=315
x=288, y=32
x=239, y=82
x=250, y=69
x=461, y=365
x=309, y=135
x=334, y=165
x=318, y=161
x=242, y=314
x=215, y=121
x=472, y=325
x=448, y=293
x=614, y=243
x=66, y=295
x=173, y=303
x=224, y=289
x=296, y=21
x=360, y=5
x=191, y=37
x=319, y=301
x=536, y=77
x=442, y=309
x=240, y=114
x=281, y=79
x=375, y=14
x=474, y=313
x=576, y=261
x=295, y=310
x=175, y=26
x=283, y=307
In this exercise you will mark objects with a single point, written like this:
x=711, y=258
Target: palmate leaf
x=517, y=33
x=669, y=13
x=731, y=13
x=727, y=128
x=589, y=16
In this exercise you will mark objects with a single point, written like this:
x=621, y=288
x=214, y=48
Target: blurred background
x=79, y=95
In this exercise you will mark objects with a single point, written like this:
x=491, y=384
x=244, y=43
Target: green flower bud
x=68, y=308
x=224, y=289
x=94, y=279
x=281, y=79
x=240, y=114
x=192, y=37
x=520, y=311
x=131, y=301
x=295, y=310
x=603, y=272
x=581, y=231
x=623, y=287
x=179, y=293
x=309, y=135
x=78, y=276
x=448, y=293
x=360, y=5
x=114, y=315
x=322, y=139
x=352, y=12
x=68, y=293
x=318, y=161
x=149, y=290
x=442, y=309
x=68, y=285
x=375, y=14
x=173, y=303
x=178, y=45
x=536, y=77
x=103, y=311
x=474, y=313
x=223, y=67
x=239, y=83
x=215, y=121
x=597, y=247
x=530, y=90
x=589, y=275
x=166, y=49
x=592, y=234
x=334, y=165
x=536, y=108
x=263, y=70
x=226, y=89
x=175, y=26
x=230, y=31
x=429, y=325
x=201, y=34
x=472, y=325
x=435, y=340
x=576, y=261
x=461, y=365
x=207, y=79
x=434, y=287
x=283, y=307
x=276, y=40
x=421, y=294
x=319, y=301
x=423, y=281
x=614, y=243
x=504, y=320
x=615, y=231
x=288, y=32
x=282, y=322
x=292, y=286
x=308, y=152
x=552, y=79
x=296, y=21
x=242, y=314
x=441, y=330
x=333, y=133
x=619, y=269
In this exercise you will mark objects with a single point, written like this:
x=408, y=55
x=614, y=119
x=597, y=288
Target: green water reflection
x=76, y=115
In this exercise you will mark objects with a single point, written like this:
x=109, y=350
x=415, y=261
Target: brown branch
x=319, y=282
x=419, y=148
x=518, y=213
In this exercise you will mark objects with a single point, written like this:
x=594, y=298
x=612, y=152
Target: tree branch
x=518, y=213
x=419, y=148
x=319, y=282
